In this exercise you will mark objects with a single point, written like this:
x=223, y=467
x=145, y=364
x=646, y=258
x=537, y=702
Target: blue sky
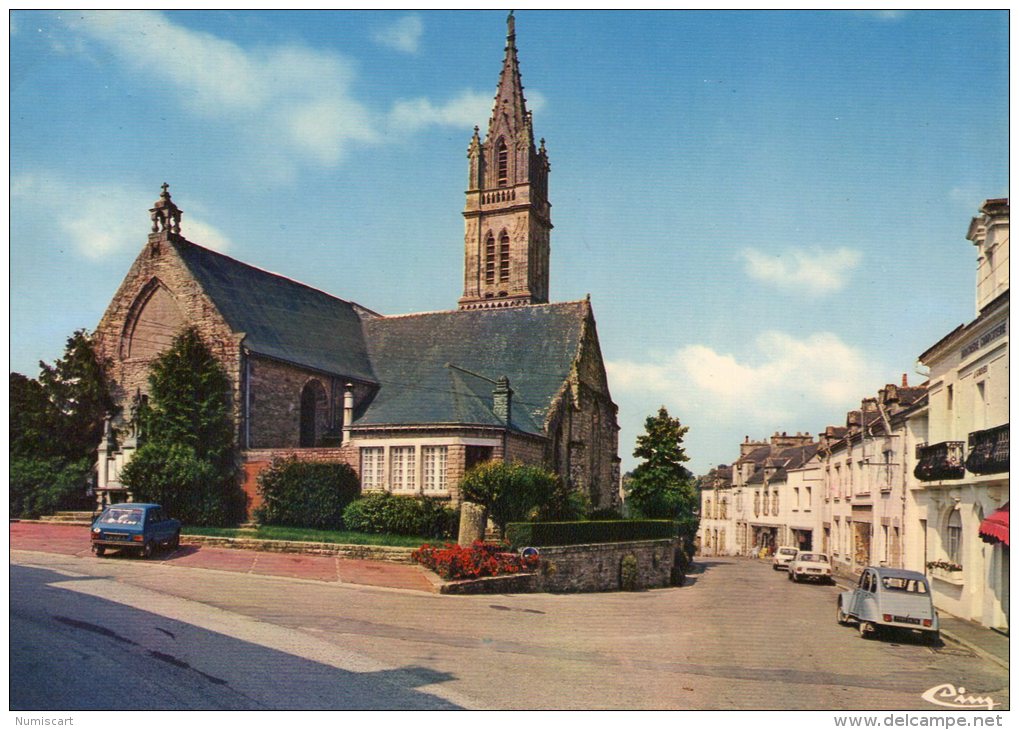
x=768, y=208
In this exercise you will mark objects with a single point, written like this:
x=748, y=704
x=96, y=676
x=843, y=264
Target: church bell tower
x=507, y=216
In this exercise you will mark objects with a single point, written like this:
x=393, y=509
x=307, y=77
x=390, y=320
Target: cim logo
x=948, y=695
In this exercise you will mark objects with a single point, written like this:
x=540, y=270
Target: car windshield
x=905, y=585
x=122, y=516
x=787, y=551
x=813, y=558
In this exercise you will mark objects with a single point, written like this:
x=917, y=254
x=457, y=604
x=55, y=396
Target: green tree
x=518, y=492
x=56, y=423
x=661, y=487
x=187, y=459
x=78, y=389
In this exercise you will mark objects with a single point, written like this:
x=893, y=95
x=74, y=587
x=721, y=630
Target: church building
x=409, y=401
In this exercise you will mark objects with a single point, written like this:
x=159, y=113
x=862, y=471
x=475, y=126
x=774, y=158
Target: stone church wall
x=274, y=403
x=137, y=309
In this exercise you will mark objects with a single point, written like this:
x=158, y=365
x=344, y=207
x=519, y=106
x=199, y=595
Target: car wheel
x=175, y=541
x=774, y=567
x=789, y=576
x=840, y=615
x=796, y=579
x=99, y=550
x=933, y=638
x=868, y=630
x=146, y=551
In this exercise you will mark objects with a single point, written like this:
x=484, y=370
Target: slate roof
x=439, y=367
x=281, y=318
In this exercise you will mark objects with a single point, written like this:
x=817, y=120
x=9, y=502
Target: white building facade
x=962, y=468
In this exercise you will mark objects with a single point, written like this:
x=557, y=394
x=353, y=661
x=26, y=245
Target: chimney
x=348, y=411
x=905, y=380
x=502, y=400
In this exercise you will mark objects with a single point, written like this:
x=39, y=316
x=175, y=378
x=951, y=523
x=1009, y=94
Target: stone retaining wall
x=356, y=552
x=598, y=567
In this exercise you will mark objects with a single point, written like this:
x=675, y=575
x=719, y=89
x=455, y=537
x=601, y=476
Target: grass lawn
x=299, y=534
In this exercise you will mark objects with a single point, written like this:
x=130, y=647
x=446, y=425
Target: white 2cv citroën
x=890, y=598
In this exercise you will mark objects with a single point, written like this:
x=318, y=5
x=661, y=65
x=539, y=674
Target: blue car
x=134, y=526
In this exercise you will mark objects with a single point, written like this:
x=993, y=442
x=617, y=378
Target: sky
x=767, y=208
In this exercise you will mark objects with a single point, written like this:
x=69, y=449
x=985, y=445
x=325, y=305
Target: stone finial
x=165, y=213
x=510, y=25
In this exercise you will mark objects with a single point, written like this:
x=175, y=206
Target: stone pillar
x=348, y=411
x=473, y=520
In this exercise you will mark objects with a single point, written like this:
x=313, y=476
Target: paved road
x=89, y=633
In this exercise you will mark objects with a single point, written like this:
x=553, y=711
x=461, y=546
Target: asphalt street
x=99, y=634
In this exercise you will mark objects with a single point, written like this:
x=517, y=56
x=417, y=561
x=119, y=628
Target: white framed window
x=954, y=535
x=402, y=469
x=433, y=468
x=371, y=467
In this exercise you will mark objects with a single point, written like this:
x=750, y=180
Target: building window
x=808, y=498
x=433, y=468
x=796, y=498
x=725, y=509
x=371, y=468
x=504, y=257
x=954, y=537
x=774, y=503
x=503, y=164
x=490, y=259
x=402, y=470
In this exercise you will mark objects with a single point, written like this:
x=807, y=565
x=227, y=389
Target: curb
x=982, y=653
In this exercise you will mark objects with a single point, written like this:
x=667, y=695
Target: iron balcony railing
x=940, y=461
x=988, y=451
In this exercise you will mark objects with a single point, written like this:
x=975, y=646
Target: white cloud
x=294, y=104
x=786, y=379
x=99, y=220
x=816, y=272
x=404, y=35
x=467, y=109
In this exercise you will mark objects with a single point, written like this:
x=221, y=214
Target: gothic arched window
x=490, y=259
x=502, y=163
x=504, y=257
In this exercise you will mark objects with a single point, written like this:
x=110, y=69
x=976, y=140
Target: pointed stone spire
x=509, y=115
x=508, y=216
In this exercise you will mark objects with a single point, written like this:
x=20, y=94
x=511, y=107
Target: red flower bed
x=454, y=562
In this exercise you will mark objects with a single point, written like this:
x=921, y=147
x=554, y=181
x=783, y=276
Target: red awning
x=995, y=528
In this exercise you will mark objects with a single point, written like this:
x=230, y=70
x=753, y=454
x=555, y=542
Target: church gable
x=154, y=320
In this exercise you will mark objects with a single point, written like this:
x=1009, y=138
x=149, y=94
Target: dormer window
x=502, y=164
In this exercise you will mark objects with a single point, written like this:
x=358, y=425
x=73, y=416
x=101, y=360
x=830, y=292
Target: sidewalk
x=982, y=641
x=74, y=540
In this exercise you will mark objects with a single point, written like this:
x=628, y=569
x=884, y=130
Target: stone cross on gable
x=165, y=214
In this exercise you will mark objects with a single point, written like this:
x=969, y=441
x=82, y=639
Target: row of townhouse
x=916, y=477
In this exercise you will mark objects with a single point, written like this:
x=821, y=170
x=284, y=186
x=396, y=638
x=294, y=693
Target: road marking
x=289, y=641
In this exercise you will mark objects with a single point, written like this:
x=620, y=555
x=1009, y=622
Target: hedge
x=538, y=534
x=399, y=514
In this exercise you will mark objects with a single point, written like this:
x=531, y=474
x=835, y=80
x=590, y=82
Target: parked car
x=810, y=566
x=783, y=556
x=134, y=526
x=890, y=598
